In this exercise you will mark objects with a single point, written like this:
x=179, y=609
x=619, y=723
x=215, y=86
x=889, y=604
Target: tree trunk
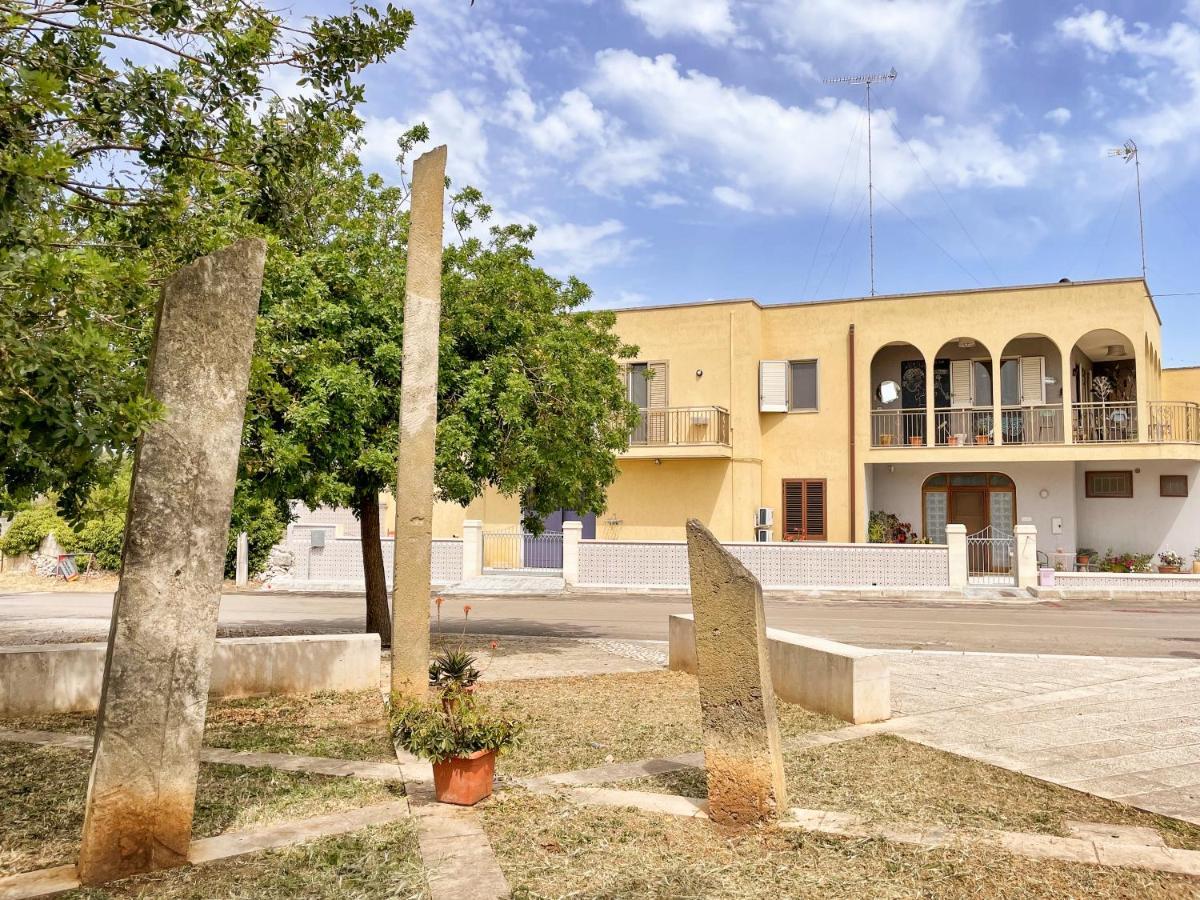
x=379, y=619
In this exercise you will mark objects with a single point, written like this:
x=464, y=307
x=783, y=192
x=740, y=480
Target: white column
x=1026, y=555
x=472, y=551
x=572, y=535
x=956, y=542
x=242, y=570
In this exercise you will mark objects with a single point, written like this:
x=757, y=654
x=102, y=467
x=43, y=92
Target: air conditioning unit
x=763, y=535
x=765, y=517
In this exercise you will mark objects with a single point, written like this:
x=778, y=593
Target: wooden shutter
x=772, y=385
x=1033, y=380
x=960, y=382
x=804, y=509
x=657, y=430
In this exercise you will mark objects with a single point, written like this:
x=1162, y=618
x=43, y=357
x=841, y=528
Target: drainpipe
x=850, y=455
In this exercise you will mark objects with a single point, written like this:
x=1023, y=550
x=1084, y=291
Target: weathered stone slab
x=737, y=702
x=412, y=569
x=142, y=788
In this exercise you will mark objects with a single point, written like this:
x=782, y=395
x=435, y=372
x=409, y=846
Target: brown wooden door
x=804, y=509
x=969, y=508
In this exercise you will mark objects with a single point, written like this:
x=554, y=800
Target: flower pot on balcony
x=981, y=439
x=1196, y=566
x=465, y=780
x=916, y=440
x=1083, y=559
x=952, y=440
x=885, y=440
x=1168, y=570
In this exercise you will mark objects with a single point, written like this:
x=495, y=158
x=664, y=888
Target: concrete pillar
x=997, y=397
x=931, y=435
x=739, y=726
x=572, y=535
x=956, y=543
x=242, y=569
x=142, y=789
x=1025, y=557
x=418, y=426
x=472, y=549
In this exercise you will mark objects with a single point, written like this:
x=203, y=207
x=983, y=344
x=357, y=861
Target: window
x=802, y=384
x=1172, y=486
x=1108, y=484
x=804, y=506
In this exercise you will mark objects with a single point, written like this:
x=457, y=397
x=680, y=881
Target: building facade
x=1041, y=403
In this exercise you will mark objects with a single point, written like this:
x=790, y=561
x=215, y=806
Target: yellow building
x=1040, y=403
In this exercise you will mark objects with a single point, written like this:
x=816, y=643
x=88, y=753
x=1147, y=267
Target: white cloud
x=1094, y=28
x=659, y=199
x=568, y=248
x=784, y=157
x=455, y=37
x=621, y=300
x=1060, y=115
x=733, y=197
x=709, y=20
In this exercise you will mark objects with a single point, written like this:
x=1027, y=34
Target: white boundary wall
x=340, y=560
x=778, y=566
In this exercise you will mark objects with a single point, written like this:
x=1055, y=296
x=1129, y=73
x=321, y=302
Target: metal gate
x=522, y=551
x=991, y=557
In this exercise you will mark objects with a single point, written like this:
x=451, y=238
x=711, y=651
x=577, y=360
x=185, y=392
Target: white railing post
x=472, y=549
x=572, y=535
x=242, y=568
x=956, y=544
x=1025, y=536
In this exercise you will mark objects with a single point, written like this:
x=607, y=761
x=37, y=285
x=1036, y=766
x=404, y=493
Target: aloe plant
x=453, y=668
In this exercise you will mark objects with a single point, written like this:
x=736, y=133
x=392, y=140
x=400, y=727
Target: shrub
x=264, y=526
x=1126, y=562
x=30, y=527
x=103, y=537
x=438, y=730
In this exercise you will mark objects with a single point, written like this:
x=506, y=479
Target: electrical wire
x=1111, y=226
x=929, y=238
x=838, y=249
x=828, y=212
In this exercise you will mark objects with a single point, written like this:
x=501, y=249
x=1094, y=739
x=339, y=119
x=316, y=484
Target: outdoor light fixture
x=1116, y=349
x=699, y=373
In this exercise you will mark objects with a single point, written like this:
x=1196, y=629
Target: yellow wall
x=713, y=351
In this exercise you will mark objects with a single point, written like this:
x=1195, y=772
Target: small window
x=1108, y=485
x=1172, y=486
x=802, y=384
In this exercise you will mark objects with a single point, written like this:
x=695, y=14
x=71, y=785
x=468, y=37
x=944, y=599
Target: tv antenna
x=867, y=80
x=1128, y=151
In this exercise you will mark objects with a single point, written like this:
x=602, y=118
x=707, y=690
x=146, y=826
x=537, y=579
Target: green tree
x=530, y=399
x=115, y=119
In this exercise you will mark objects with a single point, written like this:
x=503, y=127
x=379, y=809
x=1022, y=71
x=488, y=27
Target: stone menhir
x=141, y=793
x=418, y=428
x=737, y=702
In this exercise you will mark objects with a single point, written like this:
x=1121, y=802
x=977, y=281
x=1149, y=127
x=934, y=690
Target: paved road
x=1169, y=629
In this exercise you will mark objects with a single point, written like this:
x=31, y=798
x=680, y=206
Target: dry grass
x=21, y=582
x=42, y=792
x=379, y=863
x=551, y=849
x=888, y=779
x=338, y=725
x=576, y=723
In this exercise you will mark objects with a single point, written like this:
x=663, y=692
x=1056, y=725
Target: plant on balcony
x=1126, y=562
x=1083, y=555
x=886, y=528
x=1102, y=388
x=1169, y=562
x=983, y=429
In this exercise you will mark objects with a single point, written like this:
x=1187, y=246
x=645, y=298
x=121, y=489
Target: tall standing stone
x=737, y=703
x=418, y=429
x=142, y=789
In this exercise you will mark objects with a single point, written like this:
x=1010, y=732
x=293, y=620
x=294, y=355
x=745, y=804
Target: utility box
x=316, y=537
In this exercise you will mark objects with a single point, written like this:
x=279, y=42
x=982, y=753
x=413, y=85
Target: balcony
x=1174, y=423
x=680, y=432
x=1104, y=423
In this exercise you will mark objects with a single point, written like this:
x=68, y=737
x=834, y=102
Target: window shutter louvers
x=772, y=385
x=960, y=382
x=804, y=509
x=1033, y=380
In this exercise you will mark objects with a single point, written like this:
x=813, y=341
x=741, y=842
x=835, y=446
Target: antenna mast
x=1128, y=151
x=868, y=80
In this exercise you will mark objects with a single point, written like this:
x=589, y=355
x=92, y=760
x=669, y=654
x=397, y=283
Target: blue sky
x=675, y=150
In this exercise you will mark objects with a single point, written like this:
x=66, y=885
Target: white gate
x=991, y=557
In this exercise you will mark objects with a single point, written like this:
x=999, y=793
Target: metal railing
x=1103, y=423
x=681, y=426
x=509, y=550
x=1174, y=422
x=990, y=557
x=897, y=427
x=1031, y=425
x=965, y=426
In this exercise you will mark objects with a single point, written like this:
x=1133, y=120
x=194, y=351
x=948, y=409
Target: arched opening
x=898, y=396
x=1031, y=391
x=977, y=500
x=1104, y=388
x=962, y=394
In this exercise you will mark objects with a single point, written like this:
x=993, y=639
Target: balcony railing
x=897, y=427
x=1174, y=423
x=681, y=426
x=1105, y=423
x=1031, y=425
x=969, y=426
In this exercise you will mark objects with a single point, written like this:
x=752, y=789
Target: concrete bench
x=54, y=678
x=823, y=676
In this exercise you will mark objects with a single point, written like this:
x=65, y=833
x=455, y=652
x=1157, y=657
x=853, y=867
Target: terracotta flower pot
x=1168, y=570
x=465, y=780
x=981, y=438
x=916, y=440
x=1083, y=559
x=952, y=441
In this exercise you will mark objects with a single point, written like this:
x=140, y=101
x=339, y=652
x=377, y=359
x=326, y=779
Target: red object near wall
x=465, y=780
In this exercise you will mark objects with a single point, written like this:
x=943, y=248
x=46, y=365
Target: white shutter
x=960, y=382
x=772, y=385
x=1033, y=380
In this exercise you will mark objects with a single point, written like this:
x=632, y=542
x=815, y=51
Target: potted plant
x=983, y=430
x=453, y=669
x=885, y=439
x=952, y=440
x=1083, y=555
x=916, y=440
x=1169, y=563
x=461, y=739
x=1196, y=561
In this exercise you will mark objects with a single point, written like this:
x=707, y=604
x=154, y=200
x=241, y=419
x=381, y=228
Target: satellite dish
x=888, y=392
